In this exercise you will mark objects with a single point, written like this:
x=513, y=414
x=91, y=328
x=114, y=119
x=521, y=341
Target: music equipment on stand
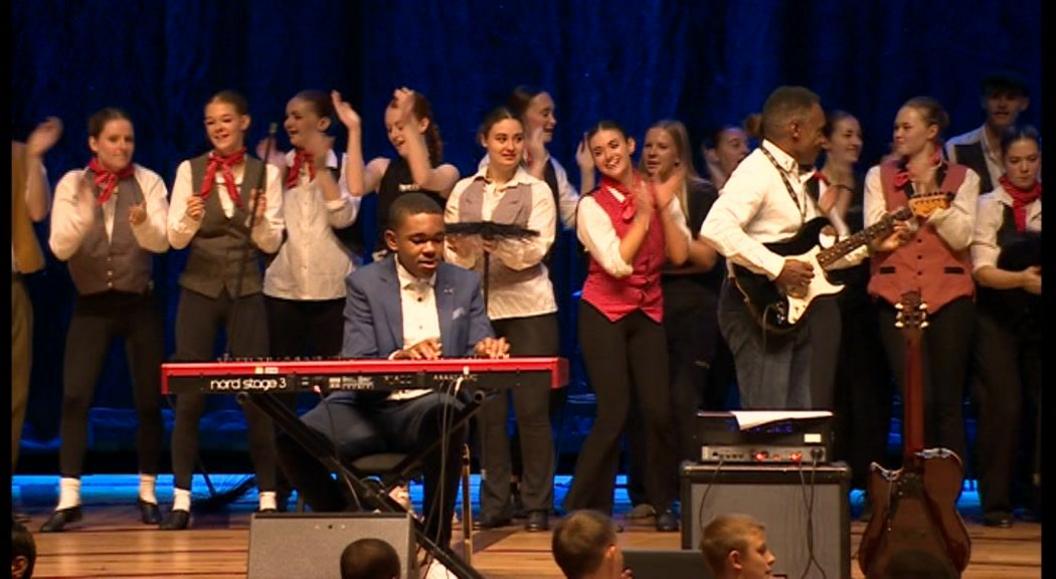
x=279, y=376
x=749, y=436
x=284, y=545
x=489, y=231
x=805, y=509
x=779, y=312
x=915, y=525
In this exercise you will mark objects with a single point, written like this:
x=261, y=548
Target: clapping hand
x=349, y=117
x=44, y=137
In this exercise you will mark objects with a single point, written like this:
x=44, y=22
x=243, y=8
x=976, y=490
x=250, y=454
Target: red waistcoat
x=617, y=297
x=926, y=263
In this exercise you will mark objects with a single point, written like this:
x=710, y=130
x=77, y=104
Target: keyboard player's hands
x=428, y=349
x=492, y=348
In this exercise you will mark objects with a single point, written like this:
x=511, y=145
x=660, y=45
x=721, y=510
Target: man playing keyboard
x=413, y=306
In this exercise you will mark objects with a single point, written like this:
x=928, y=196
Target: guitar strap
x=788, y=186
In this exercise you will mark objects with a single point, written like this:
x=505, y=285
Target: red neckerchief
x=106, y=179
x=902, y=176
x=224, y=165
x=301, y=159
x=627, y=208
x=1021, y=199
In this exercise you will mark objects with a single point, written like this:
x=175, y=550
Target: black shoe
x=538, y=521
x=666, y=522
x=486, y=522
x=1002, y=519
x=58, y=520
x=149, y=513
x=176, y=521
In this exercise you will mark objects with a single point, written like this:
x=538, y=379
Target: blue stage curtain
x=707, y=63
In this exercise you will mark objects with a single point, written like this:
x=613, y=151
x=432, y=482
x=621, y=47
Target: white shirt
x=598, y=236
x=267, y=232
x=991, y=151
x=312, y=264
x=510, y=296
x=755, y=208
x=70, y=222
x=44, y=182
x=991, y=215
x=421, y=320
x=954, y=224
x=567, y=196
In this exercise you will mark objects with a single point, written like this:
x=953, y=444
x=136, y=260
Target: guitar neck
x=913, y=397
x=830, y=255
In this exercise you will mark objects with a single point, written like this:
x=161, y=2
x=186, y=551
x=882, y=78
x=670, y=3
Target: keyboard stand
x=322, y=449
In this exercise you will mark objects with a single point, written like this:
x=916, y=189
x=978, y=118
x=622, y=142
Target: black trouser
x=692, y=328
x=305, y=328
x=97, y=320
x=530, y=336
x=1008, y=399
x=357, y=426
x=946, y=344
x=863, y=386
x=627, y=356
x=197, y=319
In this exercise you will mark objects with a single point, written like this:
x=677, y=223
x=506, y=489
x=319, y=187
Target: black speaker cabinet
x=283, y=545
x=779, y=496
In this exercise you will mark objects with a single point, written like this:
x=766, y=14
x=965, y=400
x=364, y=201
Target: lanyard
x=788, y=186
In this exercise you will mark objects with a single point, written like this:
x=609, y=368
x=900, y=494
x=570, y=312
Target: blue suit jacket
x=374, y=314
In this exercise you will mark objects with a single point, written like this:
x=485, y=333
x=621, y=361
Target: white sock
x=146, y=488
x=69, y=493
x=267, y=500
x=181, y=499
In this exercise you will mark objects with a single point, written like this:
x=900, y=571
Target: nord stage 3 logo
x=247, y=384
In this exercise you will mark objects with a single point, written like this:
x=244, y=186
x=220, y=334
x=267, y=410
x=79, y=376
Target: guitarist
x=765, y=200
x=935, y=262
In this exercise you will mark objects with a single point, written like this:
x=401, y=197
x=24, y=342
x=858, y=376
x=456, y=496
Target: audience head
x=370, y=559
x=226, y=121
x=111, y=138
x=23, y=551
x=611, y=149
x=1021, y=152
x=536, y=108
x=584, y=546
x=843, y=138
x=793, y=120
x=735, y=546
x=919, y=126
x=1003, y=97
x=423, y=122
x=667, y=148
x=502, y=136
x=416, y=233
x=308, y=113
x=724, y=149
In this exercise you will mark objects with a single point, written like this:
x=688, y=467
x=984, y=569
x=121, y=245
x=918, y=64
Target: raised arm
x=355, y=172
x=38, y=196
x=440, y=179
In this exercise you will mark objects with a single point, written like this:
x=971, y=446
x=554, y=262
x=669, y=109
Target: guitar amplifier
x=806, y=511
x=765, y=436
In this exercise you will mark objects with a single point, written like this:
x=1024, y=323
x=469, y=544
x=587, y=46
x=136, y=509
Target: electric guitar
x=915, y=529
x=779, y=312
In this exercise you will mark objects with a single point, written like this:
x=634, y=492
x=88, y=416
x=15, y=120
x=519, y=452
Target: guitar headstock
x=911, y=312
x=925, y=205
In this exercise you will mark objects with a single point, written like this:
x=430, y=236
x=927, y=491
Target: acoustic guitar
x=915, y=528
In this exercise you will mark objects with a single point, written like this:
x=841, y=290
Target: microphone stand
x=490, y=230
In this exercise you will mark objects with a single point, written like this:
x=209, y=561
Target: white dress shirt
x=70, y=221
x=991, y=215
x=755, y=208
x=421, y=320
x=955, y=224
x=267, y=232
x=312, y=264
x=567, y=196
x=511, y=298
x=991, y=151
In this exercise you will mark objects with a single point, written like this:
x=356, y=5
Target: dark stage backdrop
x=705, y=62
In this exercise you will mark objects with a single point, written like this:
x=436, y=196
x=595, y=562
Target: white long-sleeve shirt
x=990, y=216
x=71, y=220
x=567, y=196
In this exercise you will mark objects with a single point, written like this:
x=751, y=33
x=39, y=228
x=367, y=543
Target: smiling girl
x=211, y=203
x=521, y=308
x=108, y=221
x=630, y=227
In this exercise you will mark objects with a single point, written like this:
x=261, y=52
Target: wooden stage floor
x=112, y=543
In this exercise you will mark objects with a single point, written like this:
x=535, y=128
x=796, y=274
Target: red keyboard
x=276, y=376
